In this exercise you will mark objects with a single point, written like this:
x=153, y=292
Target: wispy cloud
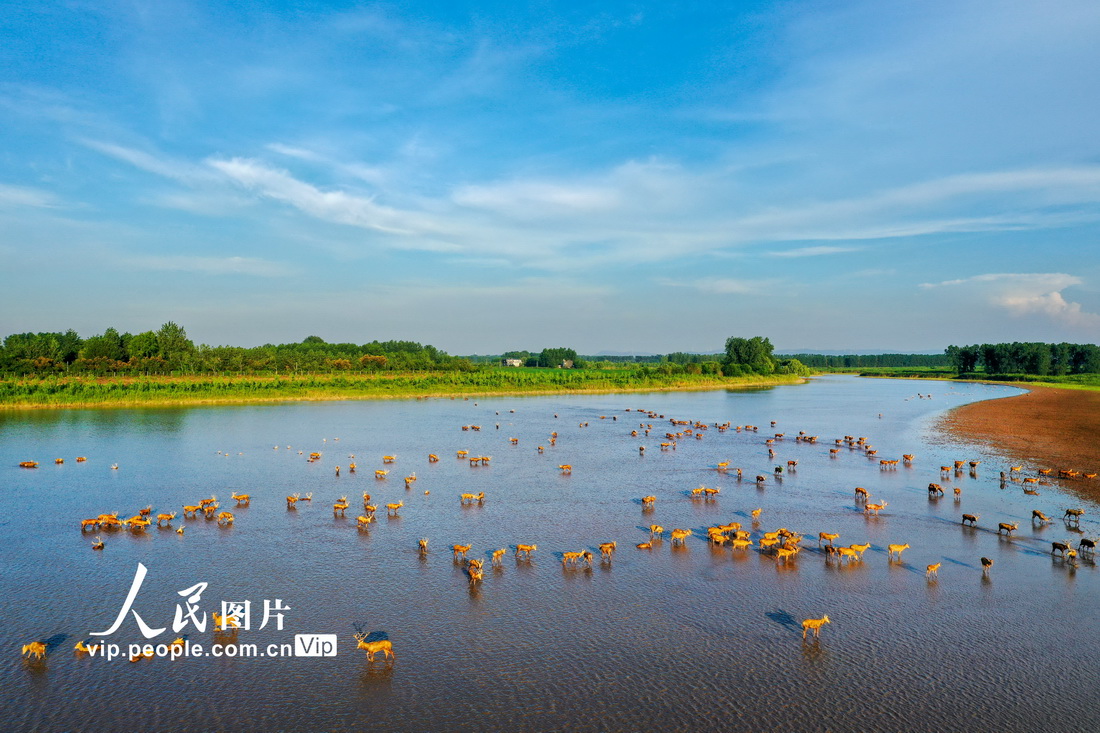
x=210, y=265
x=22, y=196
x=721, y=285
x=548, y=199
x=646, y=211
x=371, y=174
x=156, y=163
x=1042, y=280
x=335, y=206
x=813, y=251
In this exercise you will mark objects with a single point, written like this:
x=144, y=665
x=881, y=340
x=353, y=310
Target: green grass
x=1068, y=381
x=161, y=390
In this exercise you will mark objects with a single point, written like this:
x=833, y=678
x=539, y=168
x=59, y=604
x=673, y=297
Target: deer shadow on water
x=371, y=636
x=55, y=641
x=785, y=619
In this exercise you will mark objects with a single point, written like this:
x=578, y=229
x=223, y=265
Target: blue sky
x=493, y=176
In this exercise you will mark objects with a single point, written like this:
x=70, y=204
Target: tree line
x=168, y=350
x=547, y=358
x=859, y=361
x=742, y=356
x=1025, y=358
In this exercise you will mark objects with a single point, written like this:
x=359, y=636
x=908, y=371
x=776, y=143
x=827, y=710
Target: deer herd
x=782, y=544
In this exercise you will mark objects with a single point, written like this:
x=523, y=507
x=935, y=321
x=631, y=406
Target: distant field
x=169, y=390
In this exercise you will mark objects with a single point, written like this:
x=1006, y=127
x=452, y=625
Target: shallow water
x=687, y=638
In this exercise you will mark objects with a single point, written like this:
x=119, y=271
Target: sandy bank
x=1045, y=428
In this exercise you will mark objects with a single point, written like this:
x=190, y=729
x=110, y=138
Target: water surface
x=691, y=638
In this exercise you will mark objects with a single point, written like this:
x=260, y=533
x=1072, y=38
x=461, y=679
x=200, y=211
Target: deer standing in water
x=814, y=624
x=373, y=647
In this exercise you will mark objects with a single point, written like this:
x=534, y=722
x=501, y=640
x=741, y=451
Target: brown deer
x=860, y=549
x=898, y=549
x=36, y=649
x=876, y=508
x=373, y=647
x=814, y=624
x=571, y=558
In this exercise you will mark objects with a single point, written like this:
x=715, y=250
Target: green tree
x=143, y=345
x=753, y=354
x=556, y=357
x=106, y=346
x=173, y=345
x=68, y=346
x=1085, y=359
x=963, y=359
x=792, y=366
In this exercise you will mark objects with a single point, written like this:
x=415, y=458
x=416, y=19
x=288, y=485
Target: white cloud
x=1052, y=305
x=1026, y=294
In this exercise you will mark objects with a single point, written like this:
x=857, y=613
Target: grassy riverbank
x=1069, y=381
x=59, y=392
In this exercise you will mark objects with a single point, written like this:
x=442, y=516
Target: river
x=671, y=638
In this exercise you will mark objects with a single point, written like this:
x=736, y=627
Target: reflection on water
x=691, y=637
x=72, y=424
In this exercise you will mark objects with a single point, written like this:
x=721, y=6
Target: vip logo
x=315, y=645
